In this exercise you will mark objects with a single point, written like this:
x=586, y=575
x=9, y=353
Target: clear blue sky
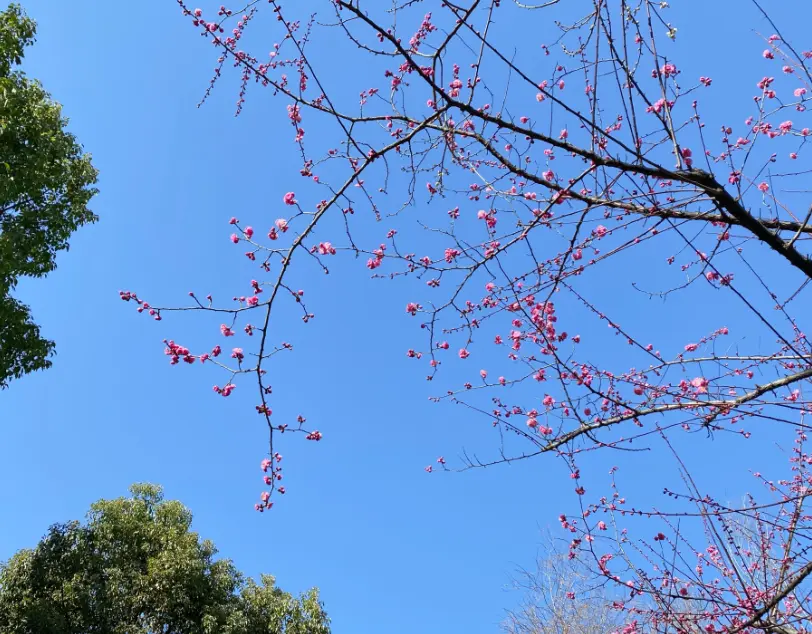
x=392, y=549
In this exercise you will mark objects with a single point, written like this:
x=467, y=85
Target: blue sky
x=392, y=549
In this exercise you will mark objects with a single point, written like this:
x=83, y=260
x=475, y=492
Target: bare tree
x=562, y=596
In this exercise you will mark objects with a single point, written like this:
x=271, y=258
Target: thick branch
x=720, y=405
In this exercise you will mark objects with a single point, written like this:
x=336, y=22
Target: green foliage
x=135, y=567
x=46, y=183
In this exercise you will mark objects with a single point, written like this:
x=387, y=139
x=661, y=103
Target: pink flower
x=700, y=384
x=532, y=423
x=281, y=224
x=234, y=238
x=691, y=347
x=764, y=187
x=768, y=54
x=800, y=92
x=237, y=353
x=464, y=354
x=602, y=526
x=412, y=308
x=252, y=301
x=548, y=401
x=265, y=464
x=600, y=231
x=325, y=248
x=249, y=231
x=290, y=198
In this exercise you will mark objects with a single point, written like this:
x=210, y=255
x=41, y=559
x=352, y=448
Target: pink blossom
x=764, y=187
x=669, y=69
x=600, y=231
x=691, y=347
x=701, y=384
x=325, y=248
x=235, y=238
x=463, y=353
x=252, y=301
x=290, y=198
x=412, y=308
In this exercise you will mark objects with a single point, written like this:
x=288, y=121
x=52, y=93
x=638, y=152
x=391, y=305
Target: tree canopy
x=46, y=183
x=135, y=566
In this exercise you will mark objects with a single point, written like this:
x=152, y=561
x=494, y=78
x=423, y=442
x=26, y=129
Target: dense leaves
x=46, y=183
x=135, y=567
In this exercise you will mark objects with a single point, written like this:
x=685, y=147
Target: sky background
x=392, y=549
